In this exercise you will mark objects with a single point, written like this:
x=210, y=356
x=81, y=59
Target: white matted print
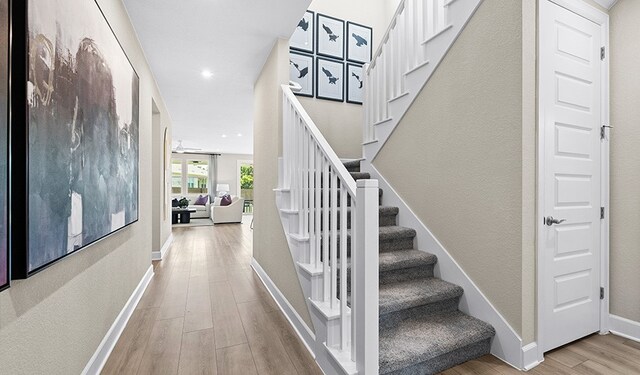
x=303, y=38
x=359, y=43
x=355, y=80
x=330, y=36
x=301, y=72
x=329, y=79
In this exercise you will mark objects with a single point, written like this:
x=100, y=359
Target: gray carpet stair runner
x=421, y=329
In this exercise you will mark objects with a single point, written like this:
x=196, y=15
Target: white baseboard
x=299, y=325
x=530, y=356
x=507, y=344
x=624, y=327
x=99, y=358
x=159, y=255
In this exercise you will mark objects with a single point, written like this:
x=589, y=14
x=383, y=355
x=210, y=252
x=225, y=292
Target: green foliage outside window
x=246, y=176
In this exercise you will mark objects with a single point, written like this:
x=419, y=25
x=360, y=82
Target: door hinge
x=601, y=292
x=602, y=53
x=601, y=212
x=603, y=132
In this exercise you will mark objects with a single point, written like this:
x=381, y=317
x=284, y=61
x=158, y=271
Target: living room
x=210, y=188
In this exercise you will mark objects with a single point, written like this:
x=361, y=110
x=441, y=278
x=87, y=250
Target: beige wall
x=341, y=123
x=270, y=248
x=53, y=322
x=161, y=226
x=469, y=178
x=625, y=159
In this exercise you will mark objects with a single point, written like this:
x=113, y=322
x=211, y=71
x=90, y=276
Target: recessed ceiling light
x=239, y=134
x=207, y=74
x=224, y=136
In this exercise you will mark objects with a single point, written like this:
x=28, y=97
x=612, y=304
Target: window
x=246, y=184
x=176, y=176
x=189, y=176
x=198, y=176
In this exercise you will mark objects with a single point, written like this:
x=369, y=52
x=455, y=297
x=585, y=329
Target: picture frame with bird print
x=329, y=79
x=330, y=36
x=301, y=71
x=359, y=41
x=355, y=83
x=303, y=39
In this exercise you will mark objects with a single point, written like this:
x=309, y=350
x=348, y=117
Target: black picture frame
x=298, y=45
x=5, y=55
x=324, y=81
x=354, y=83
x=20, y=141
x=354, y=55
x=327, y=33
x=306, y=90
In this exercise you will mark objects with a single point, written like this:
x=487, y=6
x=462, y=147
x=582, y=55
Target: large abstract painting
x=4, y=131
x=82, y=100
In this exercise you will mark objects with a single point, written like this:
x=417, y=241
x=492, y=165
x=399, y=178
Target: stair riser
x=394, y=318
x=406, y=274
x=445, y=361
x=396, y=244
x=383, y=220
x=348, y=199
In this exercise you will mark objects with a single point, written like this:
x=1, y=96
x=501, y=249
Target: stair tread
x=393, y=232
x=424, y=337
x=360, y=175
x=352, y=164
x=397, y=260
x=383, y=210
x=413, y=293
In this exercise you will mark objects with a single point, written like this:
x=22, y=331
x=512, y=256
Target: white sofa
x=202, y=212
x=227, y=214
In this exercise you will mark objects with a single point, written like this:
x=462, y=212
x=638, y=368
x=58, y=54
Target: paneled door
x=570, y=100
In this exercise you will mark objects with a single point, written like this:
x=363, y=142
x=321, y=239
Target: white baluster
x=334, y=239
x=325, y=231
x=343, y=269
x=312, y=204
x=441, y=15
x=318, y=211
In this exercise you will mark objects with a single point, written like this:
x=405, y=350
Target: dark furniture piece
x=181, y=215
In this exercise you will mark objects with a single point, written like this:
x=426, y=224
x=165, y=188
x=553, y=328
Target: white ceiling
x=230, y=38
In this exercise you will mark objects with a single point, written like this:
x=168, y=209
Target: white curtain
x=213, y=175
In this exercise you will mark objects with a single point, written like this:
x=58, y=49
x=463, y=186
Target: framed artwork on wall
x=301, y=72
x=4, y=143
x=303, y=39
x=359, y=43
x=329, y=79
x=355, y=79
x=77, y=168
x=330, y=36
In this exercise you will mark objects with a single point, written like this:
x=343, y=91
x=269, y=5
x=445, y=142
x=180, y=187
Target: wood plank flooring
x=206, y=312
x=596, y=354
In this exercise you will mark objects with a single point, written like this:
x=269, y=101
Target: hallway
x=206, y=312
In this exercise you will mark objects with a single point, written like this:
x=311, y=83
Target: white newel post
x=365, y=280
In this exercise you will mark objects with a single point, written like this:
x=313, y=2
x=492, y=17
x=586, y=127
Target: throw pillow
x=202, y=200
x=226, y=200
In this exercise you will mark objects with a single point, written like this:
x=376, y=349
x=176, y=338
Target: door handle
x=551, y=221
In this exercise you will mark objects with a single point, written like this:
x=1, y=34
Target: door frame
x=595, y=15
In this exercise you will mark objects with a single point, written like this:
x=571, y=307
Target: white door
x=570, y=114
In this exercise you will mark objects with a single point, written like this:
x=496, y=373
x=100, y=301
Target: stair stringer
x=326, y=323
x=460, y=12
x=507, y=344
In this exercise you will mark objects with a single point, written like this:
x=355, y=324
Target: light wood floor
x=596, y=354
x=206, y=312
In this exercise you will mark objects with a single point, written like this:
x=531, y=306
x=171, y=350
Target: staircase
x=421, y=329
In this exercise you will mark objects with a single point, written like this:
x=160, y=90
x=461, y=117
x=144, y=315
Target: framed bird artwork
x=330, y=36
x=359, y=43
x=301, y=72
x=355, y=83
x=329, y=79
x=303, y=38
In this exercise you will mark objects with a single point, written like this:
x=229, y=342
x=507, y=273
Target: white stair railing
x=324, y=195
x=402, y=50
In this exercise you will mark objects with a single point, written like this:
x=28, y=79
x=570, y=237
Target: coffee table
x=181, y=215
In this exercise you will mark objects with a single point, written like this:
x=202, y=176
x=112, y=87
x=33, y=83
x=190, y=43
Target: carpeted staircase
x=421, y=329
